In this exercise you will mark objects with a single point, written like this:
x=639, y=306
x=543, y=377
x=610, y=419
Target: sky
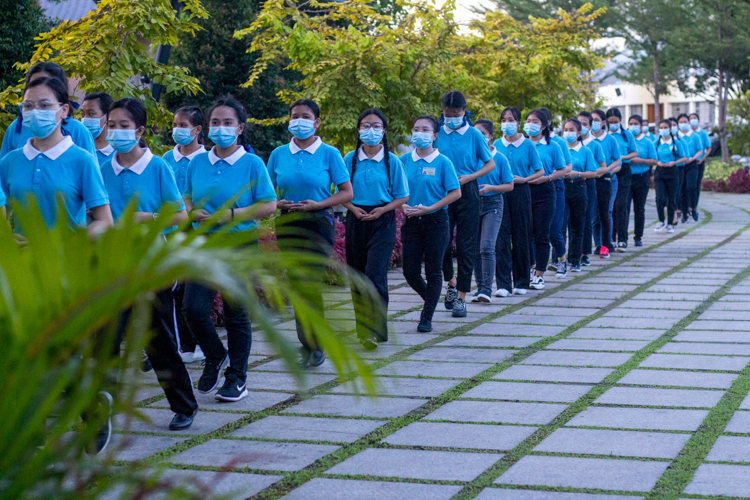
x=463, y=12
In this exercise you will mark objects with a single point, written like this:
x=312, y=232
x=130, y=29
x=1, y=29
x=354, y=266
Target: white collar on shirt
x=577, y=147
x=601, y=137
x=179, y=156
x=517, y=142
x=666, y=140
x=378, y=156
x=312, y=148
x=415, y=157
x=461, y=131
x=686, y=134
x=231, y=159
x=493, y=150
x=138, y=167
x=587, y=140
x=53, y=153
x=541, y=141
x=107, y=150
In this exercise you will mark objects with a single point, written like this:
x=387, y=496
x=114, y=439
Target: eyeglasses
x=41, y=105
x=368, y=126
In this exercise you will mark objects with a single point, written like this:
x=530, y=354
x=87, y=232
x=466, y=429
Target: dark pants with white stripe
x=576, y=200
x=512, y=247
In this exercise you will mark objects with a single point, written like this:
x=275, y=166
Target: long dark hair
x=194, y=115
x=386, y=151
x=544, y=118
x=668, y=123
x=514, y=112
x=239, y=111
x=455, y=99
x=616, y=113
x=137, y=111
x=57, y=86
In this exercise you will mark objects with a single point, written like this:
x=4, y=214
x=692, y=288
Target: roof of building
x=67, y=10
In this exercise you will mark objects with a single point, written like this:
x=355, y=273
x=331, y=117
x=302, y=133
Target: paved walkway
x=628, y=380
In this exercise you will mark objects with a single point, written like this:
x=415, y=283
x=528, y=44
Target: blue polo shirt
x=705, y=140
x=583, y=159
x=306, y=174
x=596, y=150
x=563, y=148
x=179, y=164
x=522, y=155
x=610, y=149
x=666, y=153
x=3, y=198
x=65, y=169
x=646, y=151
x=625, y=143
x=551, y=156
x=104, y=155
x=211, y=181
x=430, y=179
x=370, y=180
x=465, y=147
x=693, y=143
x=150, y=179
x=501, y=174
x=14, y=139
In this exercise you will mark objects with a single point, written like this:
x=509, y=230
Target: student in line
x=17, y=134
x=592, y=210
x=675, y=131
x=640, y=172
x=187, y=133
x=213, y=178
x=512, y=248
x=606, y=187
x=628, y=150
x=380, y=188
x=303, y=171
x=695, y=125
x=94, y=117
x=491, y=189
x=433, y=185
x=583, y=167
x=646, y=130
x=669, y=153
x=542, y=192
x=133, y=171
x=470, y=155
x=689, y=189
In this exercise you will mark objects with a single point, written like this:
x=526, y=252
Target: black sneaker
x=638, y=243
x=145, y=363
x=621, y=246
x=104, y=435
x=576, y=268
x=562, y=269
x=585, y=262
x=212, y=374
x=450, y=297
x=696, y=216
x=232, y=391
x=317, y=358
x=424, y=326
x=597, y=250
x=459, y=308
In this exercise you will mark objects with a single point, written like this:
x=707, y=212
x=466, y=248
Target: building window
x=707, y=112
x=679, y=107
x=636, y=109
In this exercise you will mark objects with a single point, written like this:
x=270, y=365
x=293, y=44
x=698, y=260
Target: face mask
x=122, y=140
x=584, y=130
x=664, y=132
x=596, y=126
x=635, y=129
x=570, y=137
x=644, y=129
x=684, y=127
x=182, y=136
x=222, y=136
x=674, y=129
x=422, y=140
x=614, y=127
x=93, y=125
x=532, y=129
x=371, y=136
x=454, y=122
x=509, y=128
x=41, y=123
x=301, y=128
x=694, y=122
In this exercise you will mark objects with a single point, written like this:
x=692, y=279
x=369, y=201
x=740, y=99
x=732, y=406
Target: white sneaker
x=660, y=228
x=533, y=272
x=475, y=297
x=485, y=299
x=537, y=283
x=192, y=357
x=670, y=228
x=519, y=291
x=502, y=292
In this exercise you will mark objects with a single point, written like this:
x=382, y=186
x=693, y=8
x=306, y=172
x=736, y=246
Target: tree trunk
x=657, y=94
x=723, y=97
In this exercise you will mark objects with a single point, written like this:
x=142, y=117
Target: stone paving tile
x=639, y=418
x=738, y=326
x=666, y=305
x=338, y=430
x=353, y=406
x=598, y=345
x=745, y=404
x=617, y=334
x=284, y=381
x=726, y=315
x=132, y=447
x=158, y=421
x=566, y=302
x=581, y=312
x=255, y=401
x=458, y=354
x=665, y=296
x=484, y=341
x=740, y=307
x=739, y=423
x=573, y=294
x=411, y=327
x=346, y=489
x=709, y=336
x=445, y=435
x=717, y=479
x=554, y=374
x=706, y=348
x=505, y=412
x=520, y=391
x=398, y=386
x=516, y=494
x=626, y=313
x=417, y=464
x=573, y=358
x=637, y=396
x=430, y=369
x=730, y=449
x=518, y=330
x=445, y=316
x=537, y=320
x=616, y=443
x=696, y=362
x=574, y=472
x=639, y=323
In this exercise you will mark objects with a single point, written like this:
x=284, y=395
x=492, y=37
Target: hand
x=284, y=204
x=464, y=179
x=358, y=212
x=226, y=216
x=540, y=180
x=517, y=179
x=199, y=215
x=139, y=217
x=572, y=174
x=417, y=211
x=485, y=188
x=374, y=214
x=305, y=206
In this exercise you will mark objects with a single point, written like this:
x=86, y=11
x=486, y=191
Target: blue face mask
x=454, y=122
x=614, y=127
x=532, y=129
x=301, y=128
x=182, y=136
x=570, y=137
x=664, y=132
x=684, y=127
x=93, y=125
x=41, y=123
x=674, y=129
x=421, y=140
x=694, y=122
x=644, y=129
x=635, y=129
x=122, y=140
x=371, y=136
x=222, y=136
x=584, y=130
x=509, y=128
x=596, y=126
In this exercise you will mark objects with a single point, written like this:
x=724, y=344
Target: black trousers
x=185, y=337
x=463, y=215
x=425, y=239
x=603, y=194
x=369, y=246
x=576, y=201
x=665, y=181
x=638, y=194
x=689, y=188
x=678, y=188
x=512, y=247
x=622, y=202
x=592, y=213
x=307, y=232
x=542, y=212
x=699, y=183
